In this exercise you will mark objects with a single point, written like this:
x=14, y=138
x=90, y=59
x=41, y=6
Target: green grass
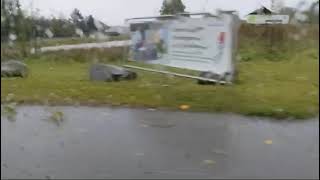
x=279, y=89
x=280, y=83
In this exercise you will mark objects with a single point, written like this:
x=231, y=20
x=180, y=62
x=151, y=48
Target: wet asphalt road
x=133, y=143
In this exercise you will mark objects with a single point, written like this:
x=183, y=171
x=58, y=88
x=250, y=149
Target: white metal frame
x=172, y=73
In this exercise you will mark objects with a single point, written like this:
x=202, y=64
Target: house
x=265, y=15
x=262, y=11
x=117, y=30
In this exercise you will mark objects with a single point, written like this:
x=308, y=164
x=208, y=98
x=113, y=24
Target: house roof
x=262, y=10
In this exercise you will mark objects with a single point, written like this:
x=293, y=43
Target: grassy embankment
x=280, y=83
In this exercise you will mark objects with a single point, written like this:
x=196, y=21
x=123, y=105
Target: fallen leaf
x=268, y=141
x=184, y=107
x=209, y=162
x=57, y=117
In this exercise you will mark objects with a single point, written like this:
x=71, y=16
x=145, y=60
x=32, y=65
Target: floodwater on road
x=104, y=142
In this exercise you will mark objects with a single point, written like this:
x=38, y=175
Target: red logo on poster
x=220, y=46
x=221, y=37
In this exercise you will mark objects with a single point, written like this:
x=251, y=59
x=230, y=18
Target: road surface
x=145, y=143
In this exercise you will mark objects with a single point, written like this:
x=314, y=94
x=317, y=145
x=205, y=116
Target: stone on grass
x=107, y=73
x=14, y=68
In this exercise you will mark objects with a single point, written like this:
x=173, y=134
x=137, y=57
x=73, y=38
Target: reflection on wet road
x=135, y=143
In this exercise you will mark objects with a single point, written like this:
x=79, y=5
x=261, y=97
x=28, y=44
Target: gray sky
x=113, y=12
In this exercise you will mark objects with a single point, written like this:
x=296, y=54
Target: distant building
x=262, y=11
x=264, y=15
x=117, y=30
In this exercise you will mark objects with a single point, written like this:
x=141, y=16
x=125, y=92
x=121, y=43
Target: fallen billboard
x=205, y=44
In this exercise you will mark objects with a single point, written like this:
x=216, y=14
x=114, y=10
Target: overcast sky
x=113, y=12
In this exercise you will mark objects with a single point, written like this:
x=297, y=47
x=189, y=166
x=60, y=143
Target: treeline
x=17, y=25
x=20, y=26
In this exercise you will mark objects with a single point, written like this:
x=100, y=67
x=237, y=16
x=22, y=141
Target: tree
x=61, y=28
x=78, y=20
x=13, y=21
x=20, y=28
x=5, y=23
x=91, y=24
x=11, y=18
x=86, y=24
x=172, y=7
x=290, y=11
x=313, y=12
x=76, y=16
x=16, y=28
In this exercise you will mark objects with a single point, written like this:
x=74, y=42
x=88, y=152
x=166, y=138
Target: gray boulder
x=14, y=68
x=106, y=72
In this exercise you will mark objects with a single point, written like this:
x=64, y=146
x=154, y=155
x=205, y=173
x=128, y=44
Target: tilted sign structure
x=198, y=41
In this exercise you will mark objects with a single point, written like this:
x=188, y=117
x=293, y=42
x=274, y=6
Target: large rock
x=105, y=72
x=14, y=68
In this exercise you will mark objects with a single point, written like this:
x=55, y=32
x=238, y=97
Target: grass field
x=277, y=89
x=22, y=49
x=277, y=84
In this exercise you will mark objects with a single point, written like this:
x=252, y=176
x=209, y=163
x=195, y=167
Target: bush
x=275, y=42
